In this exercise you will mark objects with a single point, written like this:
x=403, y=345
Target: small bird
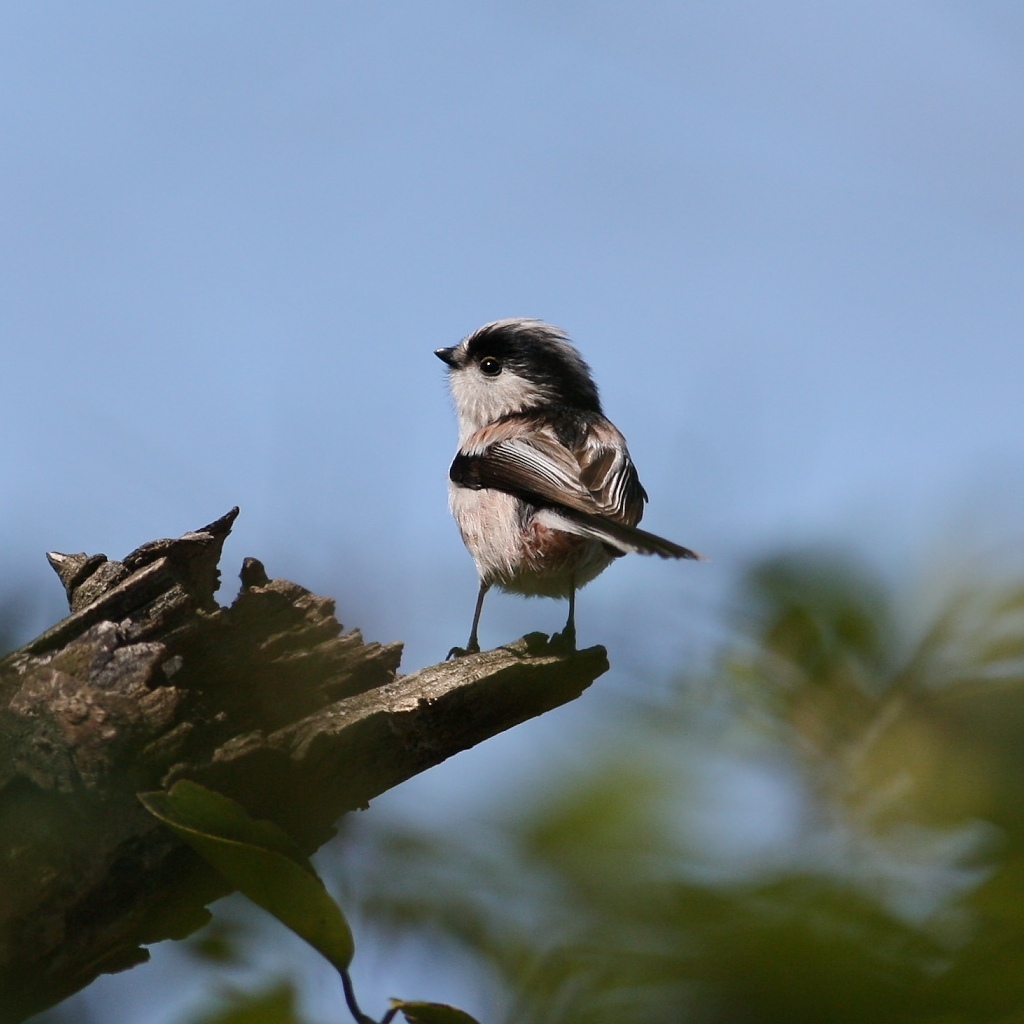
x=542, y=488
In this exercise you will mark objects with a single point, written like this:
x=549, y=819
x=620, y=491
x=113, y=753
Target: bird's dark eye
x=490, y=366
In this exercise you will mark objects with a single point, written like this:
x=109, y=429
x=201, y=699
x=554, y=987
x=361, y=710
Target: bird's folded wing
x=544, y=472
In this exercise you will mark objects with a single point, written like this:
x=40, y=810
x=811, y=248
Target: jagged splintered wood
x=148, y=681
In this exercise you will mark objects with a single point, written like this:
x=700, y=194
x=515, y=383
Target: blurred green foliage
x=273, y=1005
x=829, y=826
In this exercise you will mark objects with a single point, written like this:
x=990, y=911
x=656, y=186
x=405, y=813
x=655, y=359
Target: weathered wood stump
x=148, y=681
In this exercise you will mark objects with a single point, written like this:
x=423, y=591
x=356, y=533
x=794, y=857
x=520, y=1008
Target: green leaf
x=260, y=861
x=432, y=1013
x=195, y=807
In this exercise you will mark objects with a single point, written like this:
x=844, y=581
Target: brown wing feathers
x=594, y=486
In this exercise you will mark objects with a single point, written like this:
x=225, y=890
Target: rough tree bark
x=148, y=681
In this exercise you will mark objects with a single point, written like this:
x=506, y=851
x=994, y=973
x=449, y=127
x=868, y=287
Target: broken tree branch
x=148, y=681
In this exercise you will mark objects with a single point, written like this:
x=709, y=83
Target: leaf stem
x=350, y=999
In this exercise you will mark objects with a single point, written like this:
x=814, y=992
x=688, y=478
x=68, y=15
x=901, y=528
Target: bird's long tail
x=627, y=539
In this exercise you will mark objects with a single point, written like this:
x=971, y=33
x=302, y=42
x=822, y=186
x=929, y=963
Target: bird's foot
x=565, y=642
x=461, y=652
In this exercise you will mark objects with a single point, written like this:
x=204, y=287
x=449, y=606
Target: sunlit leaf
x=432, y=1013
x=256, y=857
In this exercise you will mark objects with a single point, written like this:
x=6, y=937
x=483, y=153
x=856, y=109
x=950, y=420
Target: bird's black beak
x=446, y=355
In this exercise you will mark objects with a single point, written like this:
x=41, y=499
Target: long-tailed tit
x=542, y=488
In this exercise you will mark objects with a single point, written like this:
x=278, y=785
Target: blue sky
x=789, y=239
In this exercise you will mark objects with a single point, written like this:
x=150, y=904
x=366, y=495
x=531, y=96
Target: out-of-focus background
x=789, y=239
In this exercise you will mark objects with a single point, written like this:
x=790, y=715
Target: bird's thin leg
x=473, y=646
x=567, y=638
